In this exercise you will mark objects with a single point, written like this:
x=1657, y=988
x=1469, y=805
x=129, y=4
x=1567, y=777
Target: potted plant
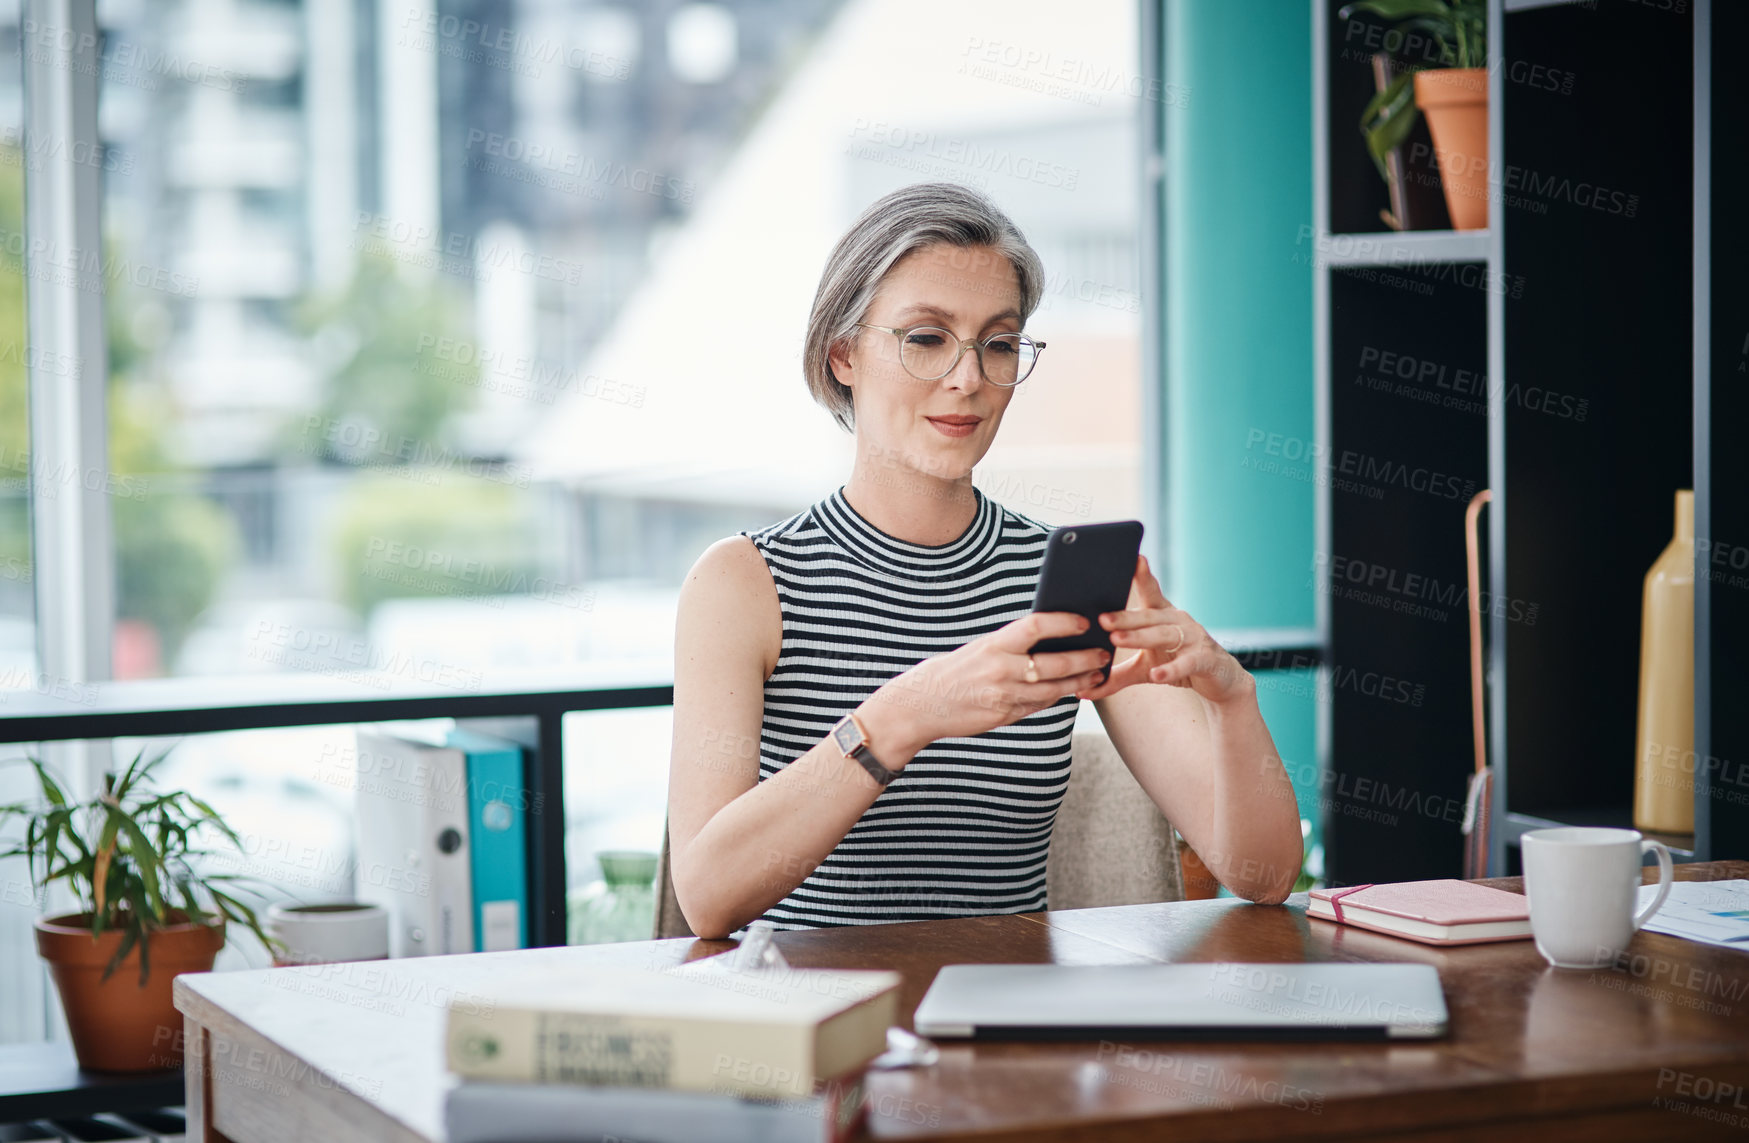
x=1453, y=95
x=145, y=914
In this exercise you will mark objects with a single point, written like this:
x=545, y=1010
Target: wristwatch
x=854, y=743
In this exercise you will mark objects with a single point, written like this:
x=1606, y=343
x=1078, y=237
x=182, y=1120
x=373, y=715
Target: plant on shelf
x=1448, y=80
x=145, y=914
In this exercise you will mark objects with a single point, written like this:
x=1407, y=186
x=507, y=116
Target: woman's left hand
x=1167, y=646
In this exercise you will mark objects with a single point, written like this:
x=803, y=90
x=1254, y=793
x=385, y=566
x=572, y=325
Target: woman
x=860, y=735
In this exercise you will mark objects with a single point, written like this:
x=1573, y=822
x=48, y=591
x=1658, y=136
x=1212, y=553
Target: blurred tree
x=172, y=545
x=15, y=565
x=386, y=391
x=395, y=347
x=397, y=538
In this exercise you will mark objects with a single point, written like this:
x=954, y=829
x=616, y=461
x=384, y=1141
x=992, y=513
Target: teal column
x=1237, y=336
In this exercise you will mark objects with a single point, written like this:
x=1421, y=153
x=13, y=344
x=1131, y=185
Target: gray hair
x=895, y=225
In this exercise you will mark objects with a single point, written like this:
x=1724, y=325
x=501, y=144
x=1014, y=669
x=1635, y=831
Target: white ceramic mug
x=1583, y=882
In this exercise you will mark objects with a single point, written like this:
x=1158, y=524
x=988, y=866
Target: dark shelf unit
x=1400, y=323
x=43, y=1081
x=1515, y=825
x=1721, y=398
x=1591, y=502
x=1403, y=468
x=1565, y=358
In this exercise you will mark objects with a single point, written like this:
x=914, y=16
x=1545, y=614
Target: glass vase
x=621, y=906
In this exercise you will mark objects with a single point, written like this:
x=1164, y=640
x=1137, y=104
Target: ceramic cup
x=329, y=934
x=1582, y=883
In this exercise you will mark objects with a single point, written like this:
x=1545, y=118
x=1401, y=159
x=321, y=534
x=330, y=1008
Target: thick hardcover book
x=476, y=1112
x=1446, y=912
x=700, y=1027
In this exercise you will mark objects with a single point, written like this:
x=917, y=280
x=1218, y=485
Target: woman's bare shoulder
x=733, y=564
x=729, y=595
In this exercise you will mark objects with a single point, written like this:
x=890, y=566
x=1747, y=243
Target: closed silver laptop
x=1183, y=1001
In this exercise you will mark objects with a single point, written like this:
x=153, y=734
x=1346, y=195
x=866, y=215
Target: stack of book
x=696, y=1054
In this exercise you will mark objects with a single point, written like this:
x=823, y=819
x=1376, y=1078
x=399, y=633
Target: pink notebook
x=1432, y=912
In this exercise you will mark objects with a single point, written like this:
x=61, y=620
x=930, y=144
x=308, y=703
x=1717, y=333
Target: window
x=452, y=341
x=17, y=569
x=406, y=357
x=21, y=993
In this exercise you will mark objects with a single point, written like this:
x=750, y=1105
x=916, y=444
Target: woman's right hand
x=985, y=684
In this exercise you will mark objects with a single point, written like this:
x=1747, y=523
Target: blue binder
x=498, y=807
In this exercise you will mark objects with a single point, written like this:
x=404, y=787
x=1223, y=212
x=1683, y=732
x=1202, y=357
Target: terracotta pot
x=1455, y=102
x=1199, y=883
x=116, y=1025
x=1417, y=199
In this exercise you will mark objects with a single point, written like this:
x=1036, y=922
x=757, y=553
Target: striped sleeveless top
x=965, y=827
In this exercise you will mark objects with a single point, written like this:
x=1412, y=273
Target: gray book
x=481, y=1112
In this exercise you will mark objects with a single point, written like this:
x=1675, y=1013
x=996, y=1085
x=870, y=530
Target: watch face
x=848, y=735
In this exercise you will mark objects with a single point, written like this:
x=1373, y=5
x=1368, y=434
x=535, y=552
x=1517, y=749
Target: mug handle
x=1666, y=874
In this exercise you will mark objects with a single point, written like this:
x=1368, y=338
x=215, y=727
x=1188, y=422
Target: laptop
x=1184, y=1001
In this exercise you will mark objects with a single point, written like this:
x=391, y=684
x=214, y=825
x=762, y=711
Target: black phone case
x=1087, y=570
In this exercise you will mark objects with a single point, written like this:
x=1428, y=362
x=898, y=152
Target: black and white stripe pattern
x=965, y=828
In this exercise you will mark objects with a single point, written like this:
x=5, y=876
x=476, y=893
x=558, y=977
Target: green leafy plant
x=1457, y=30
x=126, y=856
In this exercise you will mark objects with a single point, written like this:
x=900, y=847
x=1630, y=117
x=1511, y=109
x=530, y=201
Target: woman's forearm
x=1254, y=843
x=754, y=851
x=1212, y=768
x=1183, y=713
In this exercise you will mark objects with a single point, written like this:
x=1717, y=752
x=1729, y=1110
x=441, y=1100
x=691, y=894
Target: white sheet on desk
x=1711, y=912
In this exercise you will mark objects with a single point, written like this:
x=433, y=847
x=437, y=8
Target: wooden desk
x=1656, y=1050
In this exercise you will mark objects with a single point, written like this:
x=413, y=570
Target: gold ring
x=1031, y=670
x=1177, y=645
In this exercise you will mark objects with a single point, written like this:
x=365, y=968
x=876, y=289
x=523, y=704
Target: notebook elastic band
x=1336, y=895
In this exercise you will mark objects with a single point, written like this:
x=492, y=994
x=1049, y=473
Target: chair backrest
x=670, y=921
x=1111, y=844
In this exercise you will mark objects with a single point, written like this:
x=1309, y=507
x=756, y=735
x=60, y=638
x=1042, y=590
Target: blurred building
x=209, y=175
x=255, y=147
x=633, y=201
x=724, y=417
x=248, y=137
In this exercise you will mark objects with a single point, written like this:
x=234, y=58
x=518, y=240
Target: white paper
x=1711, y=912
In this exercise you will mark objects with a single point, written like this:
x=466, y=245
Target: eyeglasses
x=930, y=353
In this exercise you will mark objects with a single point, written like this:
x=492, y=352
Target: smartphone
x=1088, y=569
